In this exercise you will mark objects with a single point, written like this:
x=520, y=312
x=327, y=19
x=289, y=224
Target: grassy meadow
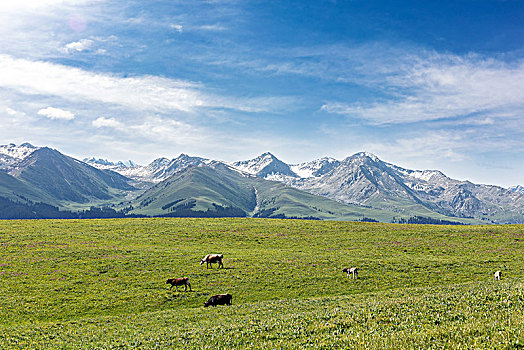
x=101, y=284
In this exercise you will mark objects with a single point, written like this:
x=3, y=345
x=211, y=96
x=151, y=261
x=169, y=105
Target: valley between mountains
x=40, y=182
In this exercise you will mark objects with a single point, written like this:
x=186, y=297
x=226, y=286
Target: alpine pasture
x=101, y=284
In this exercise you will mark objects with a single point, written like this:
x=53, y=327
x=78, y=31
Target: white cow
x=497, y=275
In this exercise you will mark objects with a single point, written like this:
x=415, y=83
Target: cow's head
x=202, y=261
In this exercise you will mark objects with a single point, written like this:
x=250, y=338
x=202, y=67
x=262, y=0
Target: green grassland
x=101, y=284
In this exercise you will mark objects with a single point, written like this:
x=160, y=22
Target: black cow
x=220, y=299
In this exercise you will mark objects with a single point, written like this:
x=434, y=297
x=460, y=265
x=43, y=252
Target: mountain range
x=359, y=187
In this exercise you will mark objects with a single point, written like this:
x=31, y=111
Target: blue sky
x=421, y=84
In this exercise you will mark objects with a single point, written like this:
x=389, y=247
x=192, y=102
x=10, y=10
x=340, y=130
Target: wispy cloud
x=434, y=145
x=401, y=84
x=155, y=129
x=212, y=27
x=150, y=93
x=56, y=113
x=437, y=86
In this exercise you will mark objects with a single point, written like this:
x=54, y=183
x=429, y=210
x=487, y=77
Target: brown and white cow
x=179, y=282
x=210, y=259
x=351, y=270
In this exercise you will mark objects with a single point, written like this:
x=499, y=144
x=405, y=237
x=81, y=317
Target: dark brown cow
x=351, y=270
x=179, y=282
x=220, y=299
x=210, y=259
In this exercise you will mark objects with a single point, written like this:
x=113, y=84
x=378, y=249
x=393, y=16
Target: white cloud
x=10, y=111
x=56, y=113
x=176, y=27
x=15, y=6
x=149, y=93
x=443, y=86
x=107, y=122
x=78, y=46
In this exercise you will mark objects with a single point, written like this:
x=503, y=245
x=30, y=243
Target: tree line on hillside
x=29, y=210
x=425, y=220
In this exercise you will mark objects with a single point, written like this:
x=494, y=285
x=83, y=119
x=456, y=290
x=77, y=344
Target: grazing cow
x=179, y=282
x=220, y=299
x=210, y=259
x=497, y=275
x=351, y=270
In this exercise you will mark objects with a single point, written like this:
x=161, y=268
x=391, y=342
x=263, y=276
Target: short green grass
x=101, y=284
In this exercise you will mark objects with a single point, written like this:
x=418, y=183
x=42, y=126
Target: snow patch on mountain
x=11, y=154
x=315, y=168
x=18, y=152
x=106, y=164
x=518, y=189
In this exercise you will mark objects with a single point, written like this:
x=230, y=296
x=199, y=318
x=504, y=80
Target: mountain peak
x=27, y=144
x=266, y=155
x=264, y=165
x=366, y=155
x=159, y=162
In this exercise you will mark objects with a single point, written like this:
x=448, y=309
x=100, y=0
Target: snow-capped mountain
x=158, y=170
x=266, y=165
x=518, y=189
x=11, y=154
x=366, y=180
x=163, y=168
